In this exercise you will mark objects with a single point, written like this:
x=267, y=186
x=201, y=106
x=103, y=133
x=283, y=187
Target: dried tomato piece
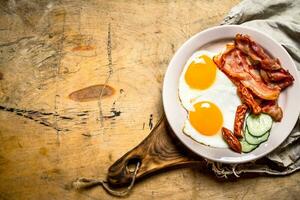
x=231, y=140
x=248, y=99
x=239, y=120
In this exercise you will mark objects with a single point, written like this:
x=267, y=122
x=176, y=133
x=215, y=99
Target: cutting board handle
x=160, y=150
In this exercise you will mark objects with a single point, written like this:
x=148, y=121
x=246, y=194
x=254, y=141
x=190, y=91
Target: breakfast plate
x=212, y=41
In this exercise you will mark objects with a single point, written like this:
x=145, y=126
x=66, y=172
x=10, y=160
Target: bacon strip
x=272, y=109
x=280, y=78
x=279, y=75
x=240, y=115
x=261, y=90
x=284, y=84
x=265, y=76
x=256, y=52
x=235, y=65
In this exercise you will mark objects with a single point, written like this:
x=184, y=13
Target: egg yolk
x=207, y=118
x=201, y=75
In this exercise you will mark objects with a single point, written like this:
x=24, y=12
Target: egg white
x=227, y=101
x=222, y=93
x=187, y=95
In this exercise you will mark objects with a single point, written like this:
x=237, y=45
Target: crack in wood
x=16, y=41
x=113, y=115
x=110, y=72
x=115, y=112
x=10, y=109
x=82, y=114
x=37, y=116
x=151, y=121
x=61, y=46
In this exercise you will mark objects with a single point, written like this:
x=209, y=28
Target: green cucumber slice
x=258, y=125
x=246, y=147
x=256, y=140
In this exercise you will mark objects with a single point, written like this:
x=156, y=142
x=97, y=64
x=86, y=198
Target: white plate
x=214, y=39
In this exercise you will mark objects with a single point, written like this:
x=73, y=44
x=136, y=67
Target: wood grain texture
x=50, y=49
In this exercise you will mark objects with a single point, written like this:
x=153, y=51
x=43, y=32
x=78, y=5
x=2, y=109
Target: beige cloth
x=281, y=20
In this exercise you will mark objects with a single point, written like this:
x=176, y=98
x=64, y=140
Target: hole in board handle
x=132, y=164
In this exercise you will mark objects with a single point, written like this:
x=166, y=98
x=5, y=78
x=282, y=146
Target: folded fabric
x=280, y=19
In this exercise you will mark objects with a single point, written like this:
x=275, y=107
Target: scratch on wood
x=55, y=117
x=113, y=110
x=86, y=134
x=151, y=121
x=37, y=116
x=61, y=47
x=110, y=72
x=113, y=115
x=66, y=117
x=16, y=41
x=81, y=114
x=90, y=134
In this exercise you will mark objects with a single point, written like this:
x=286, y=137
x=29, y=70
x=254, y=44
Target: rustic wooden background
x=58, y=122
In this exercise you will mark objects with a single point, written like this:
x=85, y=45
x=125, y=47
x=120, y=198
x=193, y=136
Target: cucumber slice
x=246, y=147
x=255, y=140
x=258, y=124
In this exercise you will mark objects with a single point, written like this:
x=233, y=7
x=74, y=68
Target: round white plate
x=214, y=39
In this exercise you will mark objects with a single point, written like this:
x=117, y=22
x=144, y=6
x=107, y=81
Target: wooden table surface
x=58, y=122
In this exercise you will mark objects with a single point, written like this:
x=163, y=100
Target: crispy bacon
x=256, y=52
x=239, y=120
x=248, y=99
x=284, y=84
x=259, y=79
x=280, y=78
x=269, y=64
x=272, y=109
x=261, y=90
x=279, y=75
x=265, y=76
x=236, y=66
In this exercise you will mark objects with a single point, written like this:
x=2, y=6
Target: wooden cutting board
x=157, y=152
x=55, y=57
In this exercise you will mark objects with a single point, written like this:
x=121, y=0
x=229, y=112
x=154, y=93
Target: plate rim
x=165, y=97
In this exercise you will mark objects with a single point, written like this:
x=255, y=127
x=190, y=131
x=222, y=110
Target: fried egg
x=210, y=100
